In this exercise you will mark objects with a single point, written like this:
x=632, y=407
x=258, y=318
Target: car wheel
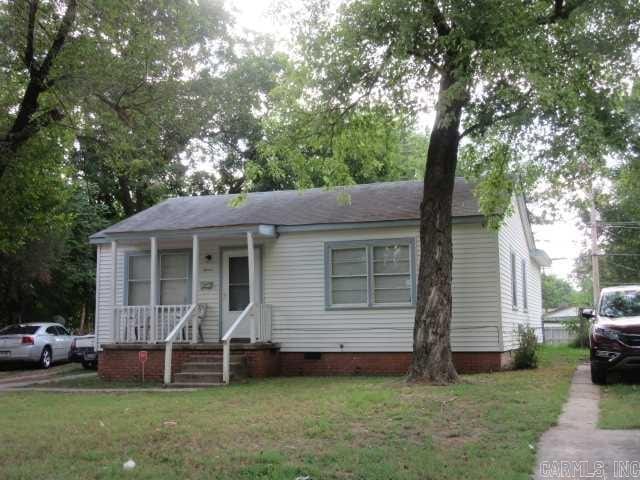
x=598, y=374
x=45, y=358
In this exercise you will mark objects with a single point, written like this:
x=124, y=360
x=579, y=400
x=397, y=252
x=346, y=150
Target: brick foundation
x=383, y=363
x=120, y=362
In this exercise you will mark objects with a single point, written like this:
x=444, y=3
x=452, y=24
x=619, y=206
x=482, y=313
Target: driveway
x=20, y=375
x=577, y=449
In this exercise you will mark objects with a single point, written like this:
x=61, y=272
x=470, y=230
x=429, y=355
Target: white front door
x=235, y=289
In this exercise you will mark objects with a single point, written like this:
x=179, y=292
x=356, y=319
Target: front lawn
x=357, y=427
x=620, y=406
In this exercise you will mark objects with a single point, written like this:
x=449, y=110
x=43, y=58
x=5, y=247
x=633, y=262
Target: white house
x=303, y=282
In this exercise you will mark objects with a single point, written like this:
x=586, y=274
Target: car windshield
x=622, y=303
x=19, y=330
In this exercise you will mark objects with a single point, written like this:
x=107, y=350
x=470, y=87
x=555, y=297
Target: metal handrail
x=226, y=342
x=168, y=345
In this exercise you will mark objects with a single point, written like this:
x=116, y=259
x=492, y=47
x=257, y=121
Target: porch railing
x=190, y=317
x=147, y=324
x=226, y=342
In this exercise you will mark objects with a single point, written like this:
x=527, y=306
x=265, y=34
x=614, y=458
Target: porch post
x=195, y=284
x=114, y=285
x=153, y=290
x=252, y=284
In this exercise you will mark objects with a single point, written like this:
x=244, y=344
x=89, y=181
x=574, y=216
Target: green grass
x=620, y=406
x=329, y=428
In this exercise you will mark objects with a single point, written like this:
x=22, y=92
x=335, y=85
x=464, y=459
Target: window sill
x=403, y=306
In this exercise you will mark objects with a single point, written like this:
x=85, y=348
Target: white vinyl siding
x=512, y=239
x=294, y=284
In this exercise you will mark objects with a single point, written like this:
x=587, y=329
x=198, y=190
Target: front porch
x=160, y=304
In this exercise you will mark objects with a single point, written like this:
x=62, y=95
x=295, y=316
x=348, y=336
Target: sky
x=562, y=240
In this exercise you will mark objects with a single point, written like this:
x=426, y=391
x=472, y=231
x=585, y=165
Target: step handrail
x=168, y=342
x=226, y=342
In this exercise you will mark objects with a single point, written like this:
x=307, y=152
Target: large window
x=173, y=278
x=370, y=274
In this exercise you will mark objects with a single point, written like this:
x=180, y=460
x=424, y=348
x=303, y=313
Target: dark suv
x=615, y=333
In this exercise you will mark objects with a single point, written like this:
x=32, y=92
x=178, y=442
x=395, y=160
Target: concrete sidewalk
x=577, y=449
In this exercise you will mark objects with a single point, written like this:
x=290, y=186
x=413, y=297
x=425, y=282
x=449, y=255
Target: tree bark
x=432, y=361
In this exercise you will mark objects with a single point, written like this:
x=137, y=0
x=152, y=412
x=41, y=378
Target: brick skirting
x=383, y=363
x=120, y=362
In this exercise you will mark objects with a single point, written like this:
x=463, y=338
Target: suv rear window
x=19, y=330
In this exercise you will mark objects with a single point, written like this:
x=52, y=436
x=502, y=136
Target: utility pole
x=595, y=266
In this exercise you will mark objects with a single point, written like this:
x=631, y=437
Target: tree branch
x=562, y=9
x=31, y=26
x=60, y=38
x=442, y=27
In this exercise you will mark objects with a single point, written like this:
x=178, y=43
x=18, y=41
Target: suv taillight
x=27, y=340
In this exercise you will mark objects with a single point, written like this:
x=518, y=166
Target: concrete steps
x=206, y=370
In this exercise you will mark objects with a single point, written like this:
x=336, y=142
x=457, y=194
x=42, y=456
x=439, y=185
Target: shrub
x=527, y=353
x=580, y=329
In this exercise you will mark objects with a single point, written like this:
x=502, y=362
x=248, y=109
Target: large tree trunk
x=432, y=360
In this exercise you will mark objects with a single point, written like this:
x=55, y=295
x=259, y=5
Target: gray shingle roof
x=368, y=203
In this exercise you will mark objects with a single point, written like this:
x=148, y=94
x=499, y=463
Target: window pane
x=173, y=292
x=392, y=281
x=238, y=270
x=352, y=268
x=341, y=255
x=139, y=267
x=349, y=297
x=391, y=253
x=400, y=266
x=174, y=265
x=238, y=297
x=392, y=296
x=139, y=293
x=352, y=261
x=349, y=290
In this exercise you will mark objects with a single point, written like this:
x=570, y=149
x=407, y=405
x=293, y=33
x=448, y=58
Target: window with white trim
x=174, y=278
x=139, y=279
x=514, y=281
x=369, y=274
x=525, y=300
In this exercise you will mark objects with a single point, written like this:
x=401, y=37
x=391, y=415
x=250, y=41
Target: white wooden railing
x=147, y=324
x=226, y=342
x=178, y=334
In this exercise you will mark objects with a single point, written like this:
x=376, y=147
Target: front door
x=235, y=289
